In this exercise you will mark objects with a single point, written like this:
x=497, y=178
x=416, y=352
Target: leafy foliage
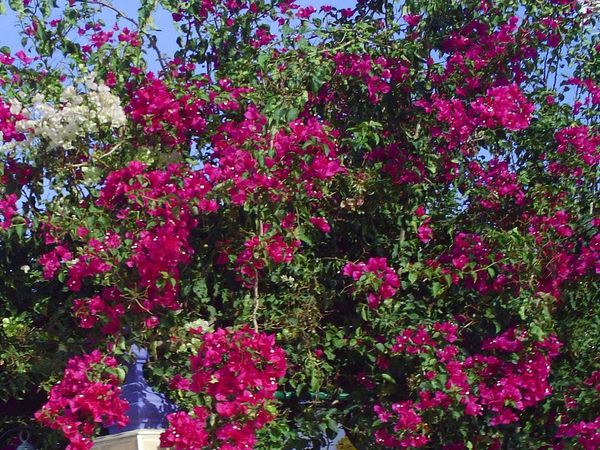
x=400, y=195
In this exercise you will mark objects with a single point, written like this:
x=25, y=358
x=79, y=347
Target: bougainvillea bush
x=376, y=216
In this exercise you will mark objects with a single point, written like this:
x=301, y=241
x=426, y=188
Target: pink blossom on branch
x=87, y=397
x=504, y=106
x=239, y=371
x=374, y=277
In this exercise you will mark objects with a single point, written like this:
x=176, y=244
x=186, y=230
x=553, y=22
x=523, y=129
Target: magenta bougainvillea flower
x=87, y=397
x=236, y=373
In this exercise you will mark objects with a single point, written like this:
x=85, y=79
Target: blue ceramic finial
x=147, y=408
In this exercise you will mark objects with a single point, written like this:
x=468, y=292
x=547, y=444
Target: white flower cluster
x=77, y=115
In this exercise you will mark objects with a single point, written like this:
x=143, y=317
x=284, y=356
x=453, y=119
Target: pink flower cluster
x=161, y=112
x=97, y=36
x=509, y=375
x=90, y=263
x=8, y=209
x=259, y=251
x=545, y=228
x=8, y=121
x=520, y=384
x=18, y=173
x=425, y=232
x=163, y=205
x=257, y=163
x=468, y=261
x=594, y=381
x=455, y=115
x=372, y=72
x=409, y=429
x=497, y=182
x=407, y=423
x=476, y=48
x=567, y=265
x=85, y=266
x=87, y=397
x=501, y=107
x=261, y=38
x=581, y=140
x=592, y=88
x=587, y=434
x=250, y=162
x=374, y=277
x=378, y=74
x=168, y=199
x=191, y=432
x=51, y=261
x=321, y=223
x=130, y=37
x=549, y=32
x=107, y=308
x=564, y=259
x=399, y=163
x=187, y=431
x=238, y=370
x=196, y=15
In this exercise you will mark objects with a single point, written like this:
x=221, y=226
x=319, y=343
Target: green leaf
x=412, y=277
x=292, y=114
x=46, y=7
x=364, y=313
x=200, y=289
x=16, y=5
x=262, y=60
x=300, y=234
x=121, y=373
x=388, y=378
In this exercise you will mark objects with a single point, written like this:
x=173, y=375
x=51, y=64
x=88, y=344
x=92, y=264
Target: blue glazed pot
x=147, y=408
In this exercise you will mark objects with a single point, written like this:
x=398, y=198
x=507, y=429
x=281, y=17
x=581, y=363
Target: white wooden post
x=130, y=440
